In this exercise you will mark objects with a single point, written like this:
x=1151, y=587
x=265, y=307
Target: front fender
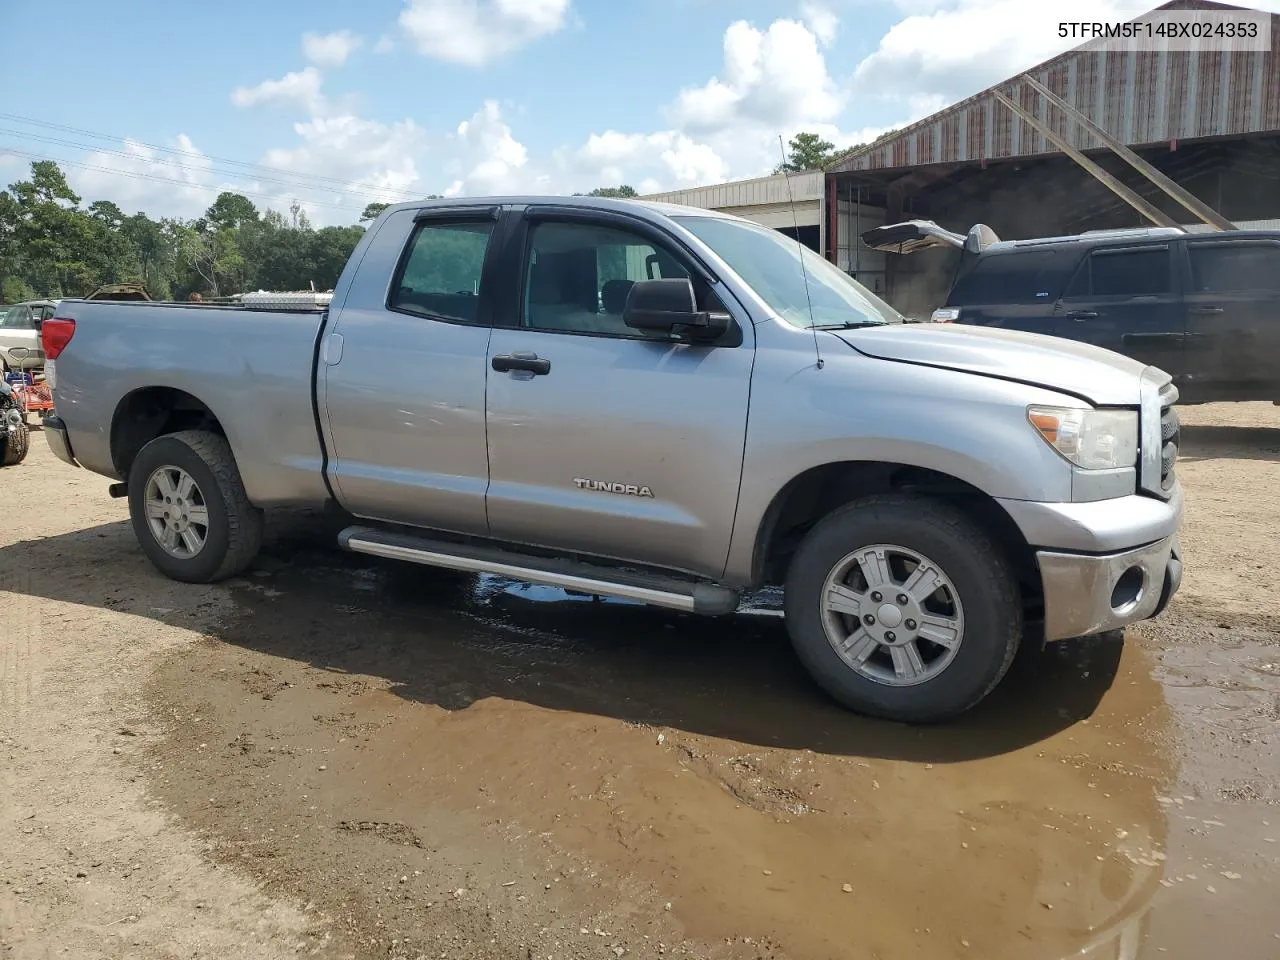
x=856, y=409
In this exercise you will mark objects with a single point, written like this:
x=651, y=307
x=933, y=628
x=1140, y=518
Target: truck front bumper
x=1085, y=595
x=1103, y=565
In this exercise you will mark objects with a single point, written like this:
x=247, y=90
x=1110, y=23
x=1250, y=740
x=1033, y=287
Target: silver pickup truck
x=658, y=403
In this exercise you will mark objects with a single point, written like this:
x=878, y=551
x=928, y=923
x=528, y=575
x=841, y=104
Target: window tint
x=578, y=277
x=1031, y=277
x=1226, y=267
x=1129, y=273
x=441, y=276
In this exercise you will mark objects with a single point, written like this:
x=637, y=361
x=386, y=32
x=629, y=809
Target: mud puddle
x=482, y=768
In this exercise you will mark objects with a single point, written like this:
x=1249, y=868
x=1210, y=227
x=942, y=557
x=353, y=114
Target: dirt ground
x=337, y=757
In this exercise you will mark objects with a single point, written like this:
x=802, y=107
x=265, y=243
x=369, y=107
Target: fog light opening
x=1128, y=590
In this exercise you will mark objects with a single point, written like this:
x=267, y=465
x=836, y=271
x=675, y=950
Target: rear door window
x=1031, y=277
x=1235, y=267
x=1133, y=272
x=440, y=277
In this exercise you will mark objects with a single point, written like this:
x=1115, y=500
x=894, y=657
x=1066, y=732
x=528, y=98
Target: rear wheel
x=902, y=608
x=16, y=440
x=189, y=508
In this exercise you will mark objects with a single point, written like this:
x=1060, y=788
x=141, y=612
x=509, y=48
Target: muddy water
x=611, y=760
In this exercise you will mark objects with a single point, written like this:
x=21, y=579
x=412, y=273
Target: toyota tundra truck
x=652, y=402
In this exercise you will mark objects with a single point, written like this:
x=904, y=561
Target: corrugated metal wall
x=1137, y=97
x=748, y=193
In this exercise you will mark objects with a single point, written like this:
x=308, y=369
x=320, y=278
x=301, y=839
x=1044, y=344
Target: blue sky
x=335, y=103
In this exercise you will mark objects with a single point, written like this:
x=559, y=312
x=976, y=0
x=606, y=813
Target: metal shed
x=790, y=203
x=1208, y=120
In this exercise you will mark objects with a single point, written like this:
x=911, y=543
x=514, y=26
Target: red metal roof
x=1137, y=97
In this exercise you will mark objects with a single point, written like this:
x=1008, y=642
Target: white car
x=19, y=330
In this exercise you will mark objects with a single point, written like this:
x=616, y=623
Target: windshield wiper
x=850, y=324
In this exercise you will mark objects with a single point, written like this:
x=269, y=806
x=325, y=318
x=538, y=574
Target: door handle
x=1083, y=314
x=528, y=362
x=1206, y=309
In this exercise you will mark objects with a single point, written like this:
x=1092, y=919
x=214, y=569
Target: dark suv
x=1204, y=307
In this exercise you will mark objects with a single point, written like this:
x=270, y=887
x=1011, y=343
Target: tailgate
x=910, y=236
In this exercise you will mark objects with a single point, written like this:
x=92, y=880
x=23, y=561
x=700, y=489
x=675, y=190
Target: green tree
x=10, y=262
x=807, y=151
x=15, y=290
x=106, y=212
x=51, y=232
x=231, y=210
x=50, y=245
x=154, y=252
x=372, y=211
x=624, y=191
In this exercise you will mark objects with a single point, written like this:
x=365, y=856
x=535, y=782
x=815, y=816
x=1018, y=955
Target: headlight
x=1091, y=439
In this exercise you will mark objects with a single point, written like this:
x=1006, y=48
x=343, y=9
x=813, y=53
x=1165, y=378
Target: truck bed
x=254, y=369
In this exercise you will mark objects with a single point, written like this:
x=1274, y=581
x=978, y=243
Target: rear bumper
x=1091, y=594
x=55, y=431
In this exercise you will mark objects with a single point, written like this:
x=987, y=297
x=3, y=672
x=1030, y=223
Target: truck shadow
x=452, y=640
x=1222, y=442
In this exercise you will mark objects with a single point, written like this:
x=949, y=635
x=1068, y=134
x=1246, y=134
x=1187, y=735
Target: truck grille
x=1170, y=435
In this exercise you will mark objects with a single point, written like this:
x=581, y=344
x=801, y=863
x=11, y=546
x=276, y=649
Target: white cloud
x=475, y=32
x=302, y=87
x=773, y=82
x=329, y=49
x=611, y=157
x=485, y=158
x=138, y=177
x=385, y=44
x=820, y=20
x=776, y=77
x=363, y=156
x=945, y=50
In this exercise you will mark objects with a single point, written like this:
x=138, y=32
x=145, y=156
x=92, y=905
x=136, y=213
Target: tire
x=16, y=445
x=232, y=527
x=987, y=618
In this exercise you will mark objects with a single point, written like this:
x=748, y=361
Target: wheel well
x=153, y=412
x=815, y=493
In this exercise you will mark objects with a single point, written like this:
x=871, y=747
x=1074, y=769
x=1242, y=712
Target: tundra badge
x=607, y=487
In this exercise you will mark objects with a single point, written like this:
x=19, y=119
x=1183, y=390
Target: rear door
x=1127, y=299
x=1233, y=317
x=404, y=366
x=1015, y=290
x=18, y=332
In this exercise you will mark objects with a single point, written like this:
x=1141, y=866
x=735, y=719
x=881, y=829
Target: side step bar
x=671, y=592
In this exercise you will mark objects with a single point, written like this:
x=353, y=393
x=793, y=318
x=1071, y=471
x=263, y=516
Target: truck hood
x=1100, y=376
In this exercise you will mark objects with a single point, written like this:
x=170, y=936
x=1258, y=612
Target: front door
x=403, y=371
x=602, y=439
x=1126, y=299
x=1233, y=319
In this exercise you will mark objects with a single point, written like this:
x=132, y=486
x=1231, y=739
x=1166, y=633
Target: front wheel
x=902, y=608
x=189, y=508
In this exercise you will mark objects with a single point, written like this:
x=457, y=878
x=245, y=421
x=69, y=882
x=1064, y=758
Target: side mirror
x=670, y=306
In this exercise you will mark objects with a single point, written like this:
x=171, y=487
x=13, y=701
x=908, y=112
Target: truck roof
x=643, y=208
x=1093, y=238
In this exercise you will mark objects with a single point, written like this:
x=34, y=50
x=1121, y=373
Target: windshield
x=770, y=262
